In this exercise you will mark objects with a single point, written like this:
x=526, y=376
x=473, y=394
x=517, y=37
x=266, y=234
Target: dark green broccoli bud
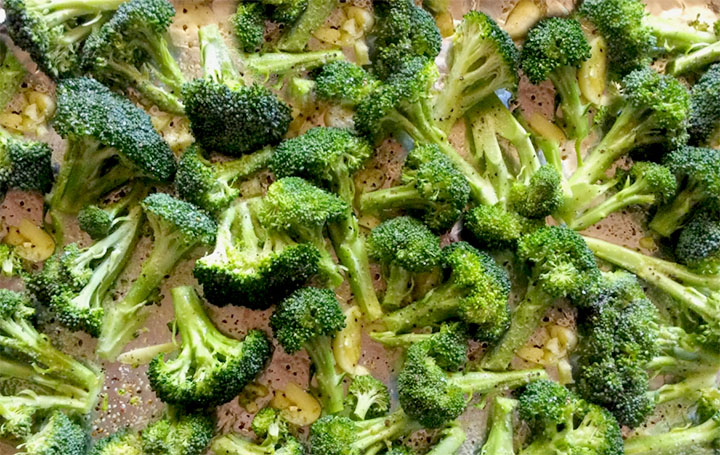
x=704, y=111
x=404, y=246
x=493, y=227
x=124, y=442
x=560, y=265
x=209, y=185
x=132, y=49
x=287, y=11
x=367, y=398
x=210, y=369
x=697, y=171
x=500, y=437
x=12, y=74
x=309, y=318
x=644, y=184
x=698, y=245
x=402, y=30
x=178, y=228
x=432, y=186
x=310, y=15
x=483, y=59
x=225, y=115
x=249, y=25
x=24, y=165
x=540, y=197
x=98, y=221
x=178, y=434
x=476, y=292
x=344, y=82
x=53, y=32
x=58, y=436
x=435, y=398
x=281, y=64
x=559, y=419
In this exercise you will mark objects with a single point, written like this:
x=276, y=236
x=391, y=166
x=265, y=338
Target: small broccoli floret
x=405, y=247
x=249, y=25
x=435, y=398
x=124, y=442
x=210, y=369
x=58, y=435
x=225, y=115
x=209, y=185
x=132, y=49
x=558, y=419
x=178, y=434
x=476, y=292
x=493, y=227
x=698, y=245
x=554, y=49
x=281, y=64
x=53, y=32
x=697, y=171
x=178, y=228
x=344, y=82
x=704, y=111
x=273, y=431
x=97, y=221
x=367, y=398
x=540, y=197
x=306, y=17
x=432, y=186
x=500, y=437
x=309, y=318
x=10, y=263
x=24, y=165
x=12, y=74
x=482, y=60
x=644, y=184
x=561, y=265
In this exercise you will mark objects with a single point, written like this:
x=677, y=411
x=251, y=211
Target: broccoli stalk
x=451, y=439
x=675, y=37
x=281, y=63
x=693, y=439
x=499, y=440
x=178, y=228
x=695, y=59
x=297, y=36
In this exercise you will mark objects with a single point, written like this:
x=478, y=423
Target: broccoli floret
x=255, y=263
x=309, y=318
x=58, y=435
x=280, y=64
x=644, y=184
x=178, y=434
x=435, y=398
x=541, y=196
x=178, y=228
x=475, y=291
x=210, y=369
x=404, y=246
x=482, y=60
x=329, y=157
x=11, y=264
x=249, y=25
x=269, y=426
x=560, y=265
x=500, y=437
x=344, y=82
x=697, y=170
x=132, y=50
x=560, y=421
x=306, y=17
x=367, y=398
x=432, y=187
x=494, y=227
x=97, y=221
x=225, y=115
x=46, y=378
x=124, y=442
x=12, y=74
x=24, y=165
x=704, y=111
x=53, y=32
x=698, y=245
x=209, y=185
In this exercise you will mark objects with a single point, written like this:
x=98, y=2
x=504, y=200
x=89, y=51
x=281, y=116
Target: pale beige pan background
x=129, y=400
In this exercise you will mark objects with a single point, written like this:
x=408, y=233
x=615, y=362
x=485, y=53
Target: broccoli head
x=123, y=442
x=704, y=111
x=367, y=398
x=494, y=227
x=343, y=82
x=698, y=244
x=24, y=165
x=12, y=74
x=249, y=25
x=178, y=434
x=273, y=431
x=58, y=435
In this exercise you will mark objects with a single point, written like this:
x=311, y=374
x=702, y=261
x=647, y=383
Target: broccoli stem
x=195, y=327
x=437, y=305
x=282, y=62
x=669, y=218
x=500, y=438
x=216, y=62
x=692, y=439
x=677, y=37
x=16, y=370
x=393, y=340
x=525, y=319
x=398, y=287
x=577, y=125
x=511, y=129
x=484, y=382
x=295, y=39
x=452, y=439
x=695, y=60
x=688, y=388
x=396, y=197
x=382, y=429
x=635, y=194
x=330, y=382
x=486, y=150
x=233, y=445
x=245, y=167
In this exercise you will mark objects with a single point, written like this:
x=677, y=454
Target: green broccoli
x=675, y=37
x=499, y=440
x=698, y=244
x=124, y=442
x=305, y=17
x=494, y=227
x=367, y=398
x=178, y=228
x=58, y=435
x=280, y=64
x=696, y=58
x=11, y=264
x=12, y=74
x=24, y=165
x=344, y=82
x=98, y=220
x=271, y=428
x=704, y=127
x=178, y=433
x=249, y=25
x=451, y=440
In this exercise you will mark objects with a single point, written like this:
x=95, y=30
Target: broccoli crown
x=541, y=196
x=174, y=215
x=85, y=107
x=249, y=25
x=560, y=260
x=704, y=110
x=306, y=314
x=333, y=435
x=123, y=442
x=287, y=12
x=211, y=368
x=266, y=420
x=95, y=221
x=560, y=420
x=553, y=43
x=25, y=165
x=696, y=169
x=186, y=434
x=698, y=245
x=343, y=81
x=234, y=121
x=58, y=436
x=402, y=29
x=367, y=397
x=630, y=43
x=494, y=227
x=199, y=182
x=405, y=242
x=658, y=179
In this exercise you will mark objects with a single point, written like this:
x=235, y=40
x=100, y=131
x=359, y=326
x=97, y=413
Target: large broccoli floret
x=53, y=32
x=560, y=265
x=255, y=262
x=432, y=187
x=475, y=291
x=58, y=435
x=704, y=111
x=225, y=115
x=132, y=50
x=309, y=318
x=405, y=247
x=178, y=433
x=178, y=228
x=24, y=165
x=482, y=60
x=124, y=442
x=697, y=170
x=367, y=398
x=698, y=245
x=210, y=369
x=344, y=82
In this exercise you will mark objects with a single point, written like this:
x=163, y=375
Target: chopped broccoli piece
x=704, y=111
x=307, y=17
x=178, y=433
x=499, y=440
x=269, y=426
x=283, y=63
x=698, y=245
x=12, y=73
x=367, y=398
x=249, y=25
x=24, y=165
x=344, y=82
x=58, y=435
x=124, y=442
x=98, y=221
x=494, y=227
